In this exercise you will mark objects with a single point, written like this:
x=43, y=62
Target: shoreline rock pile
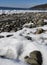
x=17, y=21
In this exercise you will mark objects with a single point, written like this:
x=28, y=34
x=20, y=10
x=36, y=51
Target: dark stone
x=1, y=36
x=39, y=31
x=31, y=61
x=27, y=37
x=34, y=58
x=37, y=56
x=2, y=56
x=40, y=22
x=9, y=35
x=15, y=22
x=26, y=57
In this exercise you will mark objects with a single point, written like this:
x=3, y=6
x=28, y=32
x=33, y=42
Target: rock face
x=35, y=58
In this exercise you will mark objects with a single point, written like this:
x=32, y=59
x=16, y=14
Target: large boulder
x=34, y=58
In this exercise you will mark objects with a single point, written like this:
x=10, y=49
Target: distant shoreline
x=20, y=11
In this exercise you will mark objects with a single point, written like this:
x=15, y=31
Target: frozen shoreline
x=18, y=41
x=19, y=11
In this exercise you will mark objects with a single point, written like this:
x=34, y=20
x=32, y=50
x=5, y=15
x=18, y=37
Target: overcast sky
x=21, y=3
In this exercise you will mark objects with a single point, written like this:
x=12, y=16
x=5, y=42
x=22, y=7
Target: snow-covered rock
x=17, y=46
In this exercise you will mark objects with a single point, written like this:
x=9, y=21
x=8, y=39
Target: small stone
x=9, y=35
x=40, y=22
x=2, y=56
x=29, y=38
x=1, y=36
x=39, y=31
x=26, y=57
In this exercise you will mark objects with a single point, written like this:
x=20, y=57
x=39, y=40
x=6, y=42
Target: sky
x=21, y=3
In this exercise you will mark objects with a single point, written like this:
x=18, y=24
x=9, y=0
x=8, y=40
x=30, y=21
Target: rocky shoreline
x=15, y=22
x=18, y=21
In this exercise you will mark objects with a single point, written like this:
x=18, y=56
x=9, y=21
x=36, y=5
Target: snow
x=16, y=47
x=11, y=62
x=28, y=25
x=19, y=11
x=45, y=20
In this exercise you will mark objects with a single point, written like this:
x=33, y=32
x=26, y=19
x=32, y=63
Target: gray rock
x=9, y=35
x=39, y=31
x=31, y=61
x=28, y=37
x=40, y=22
x=1, y=36
x=34, y=58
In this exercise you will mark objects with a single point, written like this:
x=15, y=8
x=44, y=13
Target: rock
x=34, y=58
x=40, y=22
x=26, y=57
x=29, y=25
x=28, y=37
x=2, y=56
x=37, y=56
x=9, y=35
x=1, y=36
x=31, y=61
x=39, y=31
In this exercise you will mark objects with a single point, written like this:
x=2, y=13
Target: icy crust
x=18, y=46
